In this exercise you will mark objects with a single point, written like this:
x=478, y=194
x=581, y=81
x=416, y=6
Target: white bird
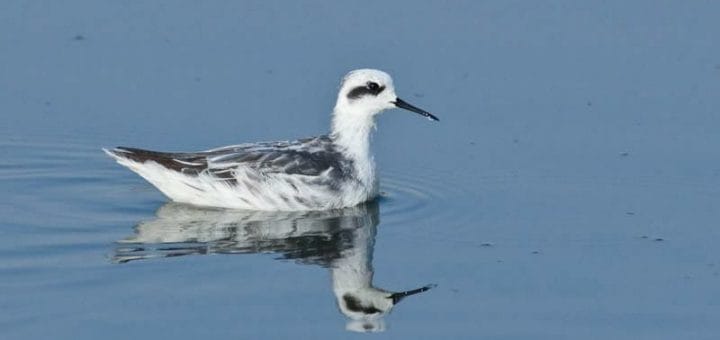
x=326, y=172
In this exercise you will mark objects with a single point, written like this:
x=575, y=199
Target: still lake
x=571, y=189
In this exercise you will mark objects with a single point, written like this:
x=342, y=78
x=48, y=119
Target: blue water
x=570, y=190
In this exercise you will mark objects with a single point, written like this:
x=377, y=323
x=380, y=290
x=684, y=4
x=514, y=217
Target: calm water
x=571, y=189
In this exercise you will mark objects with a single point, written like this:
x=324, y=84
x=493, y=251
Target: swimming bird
x=331, y=171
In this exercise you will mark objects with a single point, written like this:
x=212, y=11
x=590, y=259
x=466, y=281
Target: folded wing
x=310, y=157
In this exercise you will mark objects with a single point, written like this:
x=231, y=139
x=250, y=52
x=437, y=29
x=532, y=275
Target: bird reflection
x=341, y=240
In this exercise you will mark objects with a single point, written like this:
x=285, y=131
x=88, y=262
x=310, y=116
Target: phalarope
x=318, y=173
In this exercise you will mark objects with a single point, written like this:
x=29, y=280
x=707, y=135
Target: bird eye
x=372, y=86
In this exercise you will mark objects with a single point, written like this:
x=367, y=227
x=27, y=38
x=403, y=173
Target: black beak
x=396, y=297
x=404, y=105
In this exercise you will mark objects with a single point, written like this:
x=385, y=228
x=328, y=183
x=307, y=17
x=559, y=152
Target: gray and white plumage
x=308, y=174
x=325, y=172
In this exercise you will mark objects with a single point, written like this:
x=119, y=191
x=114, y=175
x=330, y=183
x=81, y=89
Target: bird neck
x=351, y=132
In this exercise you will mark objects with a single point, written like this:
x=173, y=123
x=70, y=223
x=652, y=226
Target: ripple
x=33, y=159
x=423, y=196
x=64, y=185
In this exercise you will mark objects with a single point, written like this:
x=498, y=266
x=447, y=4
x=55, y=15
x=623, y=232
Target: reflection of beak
x=404, y=105
x=396, y=297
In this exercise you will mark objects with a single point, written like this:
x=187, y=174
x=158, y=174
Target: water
x=569, y=191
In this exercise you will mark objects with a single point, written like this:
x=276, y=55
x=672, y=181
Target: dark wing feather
x=181, y=162
x=310, y=157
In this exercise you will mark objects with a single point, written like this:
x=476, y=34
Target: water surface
x=569, y=191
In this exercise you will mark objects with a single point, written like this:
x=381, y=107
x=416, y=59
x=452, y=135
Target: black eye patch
x=355, y=305
x=370, y=88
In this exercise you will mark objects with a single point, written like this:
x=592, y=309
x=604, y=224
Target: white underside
x=276, y=191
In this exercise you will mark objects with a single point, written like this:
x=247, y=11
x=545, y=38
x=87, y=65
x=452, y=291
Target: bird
x=330, y=171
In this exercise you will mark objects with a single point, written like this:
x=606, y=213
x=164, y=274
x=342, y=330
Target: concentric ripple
x=422, y=197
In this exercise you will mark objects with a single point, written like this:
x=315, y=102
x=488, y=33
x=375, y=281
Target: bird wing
x=309, y=157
